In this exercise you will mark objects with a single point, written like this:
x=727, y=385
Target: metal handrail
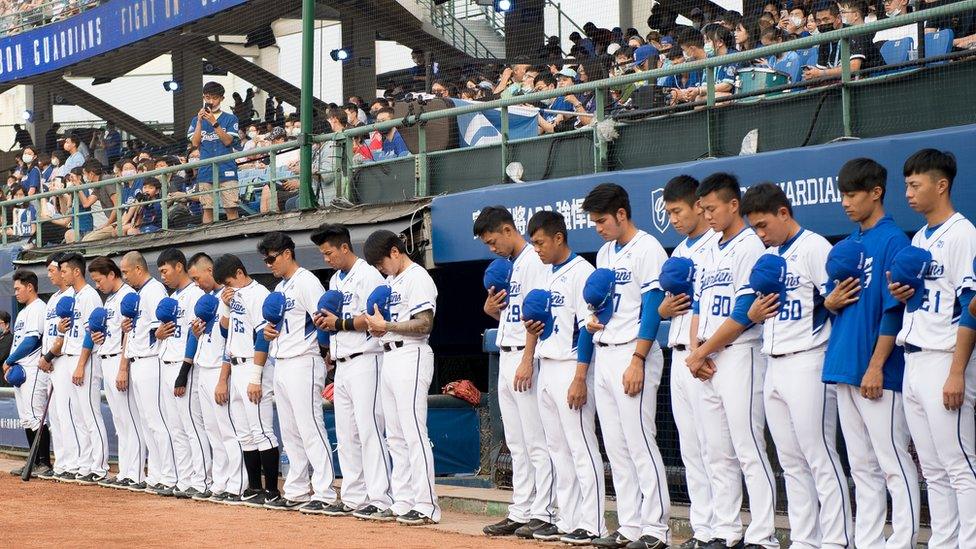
x=442, y=17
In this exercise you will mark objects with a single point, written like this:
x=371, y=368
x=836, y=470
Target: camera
x=142, y=196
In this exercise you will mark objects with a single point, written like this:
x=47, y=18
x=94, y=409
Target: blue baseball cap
x=537, y=306
x=598, y=293
x=332, y=301
x=909, y=266
x=498, y=275
x=167, y=309
x=847, y=259
x=16, y=375
x=380, y=297
x=273, y=309
x=643, y=53
x=129, y=306
x=206, y=308
x=98, y=319
x=678, y=276
x=768, y=276
x=65, y=307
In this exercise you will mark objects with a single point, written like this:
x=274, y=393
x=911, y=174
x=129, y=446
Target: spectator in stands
x=145, y=218
x=864, y=53
x=51, y=138
x=24, y=215
x=419, y=70
x=582, y=46
x=108, y=229
x=730, y=20
x=376, y=105
x=215, y=133
x=546, y=118
x=795, y=24
x=112, y=142
x=766, y=21
x=75, y=157
x=511, y=80
x=443, y=90
x=30, y=178
x=22, y=138
x=894, y=8
x=351, y=112
x=693, y=49
x=393, y=145
x=83, y=202
x=360, y=108
x=646, y=58
x=287, y=171
x=97, y=148
x=962, y=25
x=772, y=8
x=747, y=34
x=47, y=170
x=771, y=36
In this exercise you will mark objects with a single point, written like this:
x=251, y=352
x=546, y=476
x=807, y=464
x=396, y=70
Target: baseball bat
x=35, y=448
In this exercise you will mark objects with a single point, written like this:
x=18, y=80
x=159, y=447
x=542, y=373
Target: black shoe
x=202, y=496
x=108, y=482
x=180, y=494
x=254, y=497
x=136, y=487
x=314, y=507
x=752, y=546
x=45, y=472
x=122, y=483
x=337, y=509
x=578, y=536
x=366, y=512
x=613, y=541
x=279, y=503
x=719, y=543
x=505, y=527
x=647, y=542
x=372, y=512
x=218, y=498
x=66, y=476
x=164, y=491
x=693, y=543
x=232, y=499
x=531, y=527
x=89, y=479
x=548, y=533
x=414, y=518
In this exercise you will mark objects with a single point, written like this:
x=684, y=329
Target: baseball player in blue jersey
x=726, y=356
x=801, y=410
x=360, y=422
x=533, y=500
x=687, y=218
x=299, y=377
x=937, y=334
x=627, y=369
x=107, y=345
x=63, y=441
x=182, y=405
x=408, y=367
x=565, y=387
x=866, y=366
x=32, y=393
x=145, y=371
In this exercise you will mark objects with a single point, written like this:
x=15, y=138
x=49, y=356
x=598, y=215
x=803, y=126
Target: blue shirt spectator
x=76, y=158
x=211, y=146
x=32, y=181
x=112, y=142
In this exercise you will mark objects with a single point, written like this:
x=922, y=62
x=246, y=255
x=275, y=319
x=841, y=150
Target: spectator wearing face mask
x=351, y=112
x=24, y=215
x=864, y=53
x=552, y=122
x=962, y=25
x=287, y=166
x=104, y=221
x=82, y=201
x=894, y=8
x=795, y=24
x=646, y=58
x=692, y=49
x=30, y=178
x=146, y=218
x=392, y=144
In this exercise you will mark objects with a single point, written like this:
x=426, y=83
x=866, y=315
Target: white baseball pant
x=629, y=436
x=363, y=455
x=53, y=413
x=185, y=421
x=572, y=442
x=257, y=430
x=125, y=416
x=145, y=380
x=877, y=438
x=93, y=453
x=532, y=477
x=70, y=431
x=801, y=412
x=946, y=444
x=298, y=384
x=221, y=423
x=31, y=397
x=686, y=398
x=734, y=421
x=404, y=382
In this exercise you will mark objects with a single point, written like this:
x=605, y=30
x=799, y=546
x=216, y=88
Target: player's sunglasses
x=271, y=258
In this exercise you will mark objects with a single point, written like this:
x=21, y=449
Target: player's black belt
x=909, y=348
x=103, y=357
x=784, y=355
x=680, y=348
x=238, y=361
x=701, y=341
x=392, y=345
x=348, y=358
x=516, y=349
x=602, y=344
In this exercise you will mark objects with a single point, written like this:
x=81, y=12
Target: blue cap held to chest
x=332, y=301
x=379, y=297
x=66, y=307
x=167, y=310
x=273, y=309
x=847, y=259
x=129, y=306
x=498, y=275
x=16, y=375
x=678, y=276
x=598, y=293
x=537, y=307
x=98, y=320
x=909, y=267
x=768, y=276
x=206, y=308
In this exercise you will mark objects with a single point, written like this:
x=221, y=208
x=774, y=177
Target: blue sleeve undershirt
x=650, y=319
x=26, y=347
x=584, y=347
x=695, y=308
x=89, y=342
x=191, y=346
x=740, y=312
x=261, y=345
x=967, y=319
x=323, y=337
x=891, y=321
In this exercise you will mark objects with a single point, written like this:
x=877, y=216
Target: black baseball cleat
x=372, y=512
x=719, y=543
x=108, y=482
x=254, y=497
x=613, y=541
x=45, y=472
x=231, y=499
x=531, y=527
x=365, y=512
x=218, y=497
x=693, y=543
x=279, y=503
x=647, y=541
x=548, y=533
x=314, y=507
x=414, y=518
x=89, y=479
x=202, y=496
x=164, y=491
x=337, y=509
x=578, y=536
x=136, y=487
x=505, y=527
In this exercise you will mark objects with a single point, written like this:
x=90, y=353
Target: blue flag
x=485, y=128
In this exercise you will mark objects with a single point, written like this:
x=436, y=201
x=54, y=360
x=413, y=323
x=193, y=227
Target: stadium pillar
x=359, y=72
x=39, y=102
x=188, y=71
x=634, y=13
x=305, y=192
x=525, y=29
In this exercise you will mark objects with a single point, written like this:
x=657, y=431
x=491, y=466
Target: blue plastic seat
x=938, y=43
x=897, y=51
x=791, y=66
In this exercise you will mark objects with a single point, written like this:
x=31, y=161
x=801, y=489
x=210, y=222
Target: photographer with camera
x=215, y=133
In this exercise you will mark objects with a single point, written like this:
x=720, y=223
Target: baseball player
x=85, y=375
x=937, y=333
x=246, y=347
x=181, y=406
x=363, y=455
x=533, y=501
x=866, y=365
x=224, y=419
x=408, y=367
x=144, y=375
x=299, y=377
x=31, y=395
x=687, y=218
x=62, y=436
x=801, y=409
x=726, y=357
x=107, y=346
x=627, y=364
x=565, y=386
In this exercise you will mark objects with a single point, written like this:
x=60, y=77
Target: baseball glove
x=465, y=390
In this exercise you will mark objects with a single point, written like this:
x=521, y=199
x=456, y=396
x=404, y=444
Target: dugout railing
x=705, y=124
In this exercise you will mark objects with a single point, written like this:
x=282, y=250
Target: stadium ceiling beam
x=77, y=96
